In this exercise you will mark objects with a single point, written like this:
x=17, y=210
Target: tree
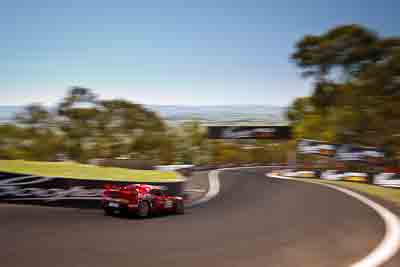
x=38, y=137
x=356, y=86
x=108, y=128
x=87, y=127
x=78, y=112
x=34, y=116
x=349, y=49
x=299, y=109
x=192, y=144
x=129, y=128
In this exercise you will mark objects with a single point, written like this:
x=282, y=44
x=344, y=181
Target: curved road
x=254, y=221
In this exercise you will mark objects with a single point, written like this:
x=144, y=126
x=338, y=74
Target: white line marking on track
x=214, y=184
x=213, y=189
x=390, y=243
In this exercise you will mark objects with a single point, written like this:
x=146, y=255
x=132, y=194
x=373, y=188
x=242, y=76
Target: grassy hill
x=84, y=171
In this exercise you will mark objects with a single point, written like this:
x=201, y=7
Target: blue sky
x=168, y=52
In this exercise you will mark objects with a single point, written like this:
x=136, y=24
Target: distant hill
x=223, y=113
x=206, y=114
x=7, y=112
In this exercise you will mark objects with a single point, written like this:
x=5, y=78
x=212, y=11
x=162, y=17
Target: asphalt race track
x=254, y=221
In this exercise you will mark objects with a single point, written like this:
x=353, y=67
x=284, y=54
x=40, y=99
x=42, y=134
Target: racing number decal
x=168, y=204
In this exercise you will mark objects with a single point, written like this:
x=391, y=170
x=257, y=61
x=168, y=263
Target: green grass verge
x=385, y=193
x=84, y=171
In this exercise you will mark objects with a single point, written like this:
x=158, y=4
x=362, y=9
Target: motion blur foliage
x=356, y=88
x=18, y=142
x=262, y=152
x=82, y=127
x=85, y=128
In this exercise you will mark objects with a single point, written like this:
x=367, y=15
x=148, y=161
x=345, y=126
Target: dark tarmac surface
x=254, y=221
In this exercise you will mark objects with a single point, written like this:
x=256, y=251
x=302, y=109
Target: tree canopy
x=82, y=127
x=356, y=90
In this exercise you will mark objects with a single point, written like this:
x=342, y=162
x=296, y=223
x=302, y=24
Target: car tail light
x=108, y=186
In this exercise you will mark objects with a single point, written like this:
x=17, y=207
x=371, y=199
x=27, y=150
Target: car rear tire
x=143, y=209
x=180, y=209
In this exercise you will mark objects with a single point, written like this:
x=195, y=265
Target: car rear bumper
x=118, y=205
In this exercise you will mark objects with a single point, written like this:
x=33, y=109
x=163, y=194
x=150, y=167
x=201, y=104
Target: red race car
x=140, y=199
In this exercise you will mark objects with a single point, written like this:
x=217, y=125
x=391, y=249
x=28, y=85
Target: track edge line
x=389, y=245
x=214, y=184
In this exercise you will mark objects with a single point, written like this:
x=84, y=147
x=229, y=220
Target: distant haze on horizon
x=206, y=114
x=200, y=53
